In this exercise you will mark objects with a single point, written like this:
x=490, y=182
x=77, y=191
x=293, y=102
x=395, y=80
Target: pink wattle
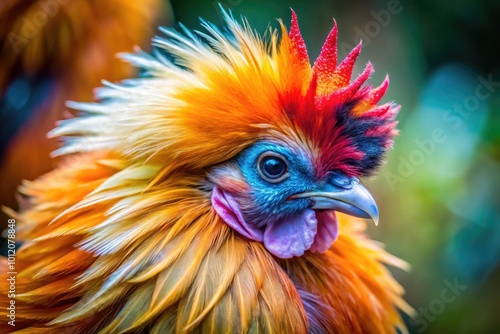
x=285, y=238
x=291, y=236
x=228, y=209
x=328, y=231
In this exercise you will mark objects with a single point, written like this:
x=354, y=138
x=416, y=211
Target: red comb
x=345, y=68
x=297, y=40
x=376, y=94
x=349, y=130
x=326, y=63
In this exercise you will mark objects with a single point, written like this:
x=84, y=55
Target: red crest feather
x=350, y=132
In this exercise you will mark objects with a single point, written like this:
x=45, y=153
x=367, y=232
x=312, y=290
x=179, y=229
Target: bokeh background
x=439, y=192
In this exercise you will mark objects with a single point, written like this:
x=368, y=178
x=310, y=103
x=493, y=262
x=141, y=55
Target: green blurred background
x=439, y=192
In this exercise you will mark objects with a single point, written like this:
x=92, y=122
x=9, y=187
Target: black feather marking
x=356, y=128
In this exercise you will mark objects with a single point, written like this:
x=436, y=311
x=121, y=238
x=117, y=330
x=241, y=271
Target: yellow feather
x=124, y=227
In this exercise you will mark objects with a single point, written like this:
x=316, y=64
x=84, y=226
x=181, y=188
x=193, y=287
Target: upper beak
x=351, y=198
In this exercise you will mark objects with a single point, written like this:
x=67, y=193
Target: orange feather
x=73, y=44
x=121, y=237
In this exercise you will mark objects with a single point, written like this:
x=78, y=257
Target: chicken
x=218, y=193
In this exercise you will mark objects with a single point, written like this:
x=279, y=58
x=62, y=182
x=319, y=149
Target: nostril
x=312, y=203
x=340, y=180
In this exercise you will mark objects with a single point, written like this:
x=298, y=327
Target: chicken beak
x=352, y=199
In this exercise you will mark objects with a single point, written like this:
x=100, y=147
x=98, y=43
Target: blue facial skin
x=267, y=201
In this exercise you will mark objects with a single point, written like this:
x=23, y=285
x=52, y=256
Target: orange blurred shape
x=75, y=44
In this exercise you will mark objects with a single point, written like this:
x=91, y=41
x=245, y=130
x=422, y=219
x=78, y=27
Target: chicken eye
x=272, y=167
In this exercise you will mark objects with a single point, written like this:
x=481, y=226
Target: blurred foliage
x=439, y=192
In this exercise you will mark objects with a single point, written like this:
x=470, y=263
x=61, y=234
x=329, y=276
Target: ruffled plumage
x=60, y=50
x=122, y=236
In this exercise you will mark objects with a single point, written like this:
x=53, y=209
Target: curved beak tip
x=365, y=209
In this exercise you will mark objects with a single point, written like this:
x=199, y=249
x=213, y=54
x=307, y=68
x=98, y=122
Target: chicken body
x=189, y=205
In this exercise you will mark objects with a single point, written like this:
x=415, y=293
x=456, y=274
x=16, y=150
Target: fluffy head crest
x=217, y=93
